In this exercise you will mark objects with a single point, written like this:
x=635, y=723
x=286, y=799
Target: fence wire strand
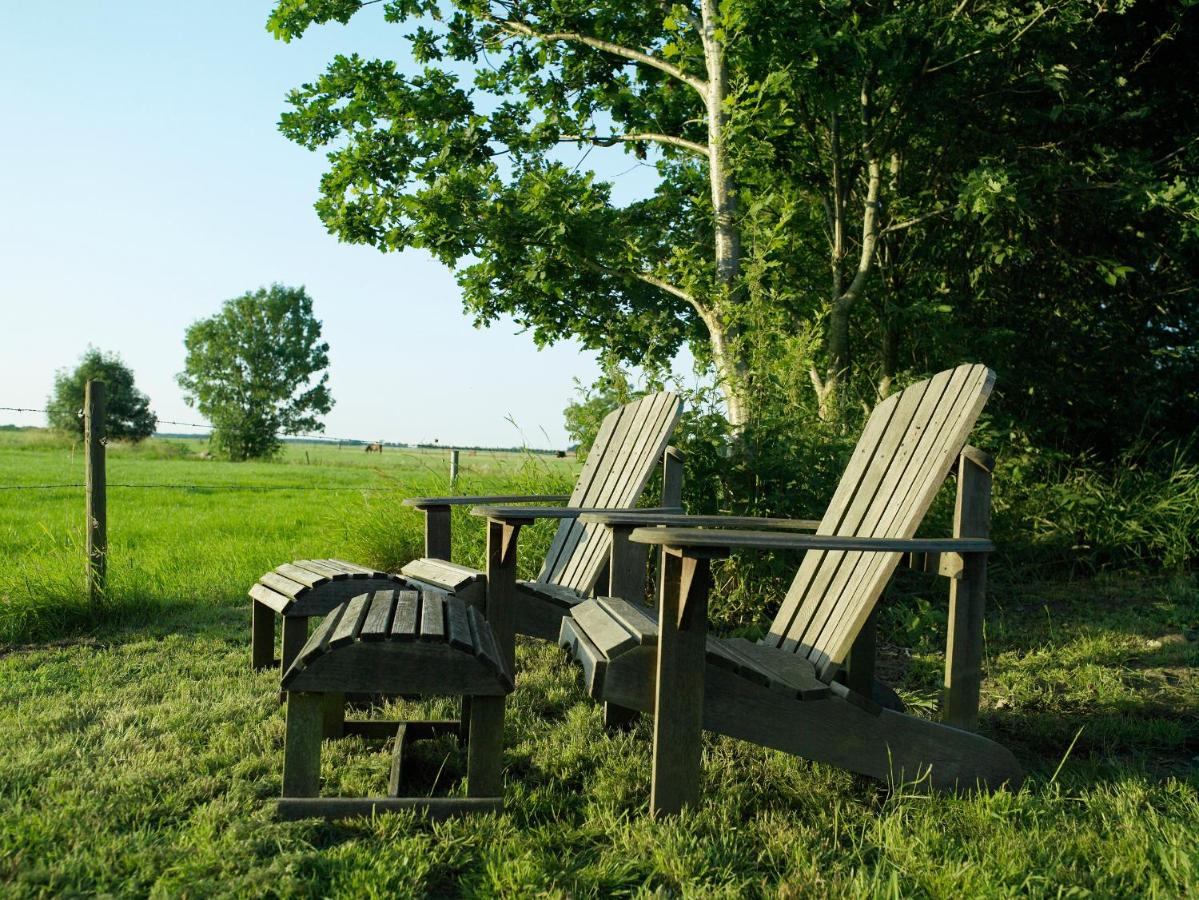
x=315, y=436
x=194, y=487
x=308, y=436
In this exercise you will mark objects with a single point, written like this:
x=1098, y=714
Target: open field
x=138, y=752
x=190, y=530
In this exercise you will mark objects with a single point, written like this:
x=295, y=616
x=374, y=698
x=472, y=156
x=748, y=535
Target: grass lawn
x=138, y=753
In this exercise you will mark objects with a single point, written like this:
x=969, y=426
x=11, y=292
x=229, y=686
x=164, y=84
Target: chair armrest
x=531, y=513
x=422, y=502
x=649, y=517
x=716, y=539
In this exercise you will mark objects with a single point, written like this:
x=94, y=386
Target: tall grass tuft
x=1083, y=517
x=387, y=535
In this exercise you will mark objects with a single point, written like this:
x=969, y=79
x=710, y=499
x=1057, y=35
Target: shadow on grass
x=58, y=622
x=1102, y=739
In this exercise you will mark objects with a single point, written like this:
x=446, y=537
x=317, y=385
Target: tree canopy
x=128, y=415
x=256, y=370
x=848, y=195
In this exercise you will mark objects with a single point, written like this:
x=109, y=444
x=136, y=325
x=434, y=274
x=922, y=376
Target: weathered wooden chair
x=627, y=448
x=804, y=689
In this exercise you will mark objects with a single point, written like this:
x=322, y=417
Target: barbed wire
x=314, y=436
x=186, y=424
x=309, y=435
x=194, y=487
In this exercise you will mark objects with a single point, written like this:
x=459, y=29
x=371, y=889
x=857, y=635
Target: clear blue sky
x=143, y=182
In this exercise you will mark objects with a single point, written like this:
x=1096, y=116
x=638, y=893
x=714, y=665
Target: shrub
x=1081, y=517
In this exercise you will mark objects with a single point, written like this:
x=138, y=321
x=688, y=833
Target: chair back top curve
x=906, y=451
x=628, y=446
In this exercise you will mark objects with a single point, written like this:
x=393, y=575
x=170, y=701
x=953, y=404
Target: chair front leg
x=485, y=744
x=437, y=532
x=679, y=685
x=967, y=593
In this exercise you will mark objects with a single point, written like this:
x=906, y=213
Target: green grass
x=138, y=753
x=196, y=544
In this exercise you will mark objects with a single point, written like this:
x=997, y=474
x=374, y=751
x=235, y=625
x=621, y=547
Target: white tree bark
x=731, y=367
x=716, y=312
x=830, y=386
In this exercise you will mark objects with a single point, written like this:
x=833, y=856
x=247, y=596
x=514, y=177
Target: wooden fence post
x=453, y=468
x=94, y=409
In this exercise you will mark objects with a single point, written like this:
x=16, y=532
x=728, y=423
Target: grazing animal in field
x=374, y=448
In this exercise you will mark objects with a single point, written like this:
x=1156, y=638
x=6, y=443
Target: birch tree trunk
x=732, y=369
x=830, y=386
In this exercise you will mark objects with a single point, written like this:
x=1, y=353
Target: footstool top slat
x=403, y=626
x=351, y=621
x=276, y=601
x=318, y=641
x=459, y=627
x=307, y=577
x=283, y=585
x=378, y=618
x=432, y=615
x=330, y=573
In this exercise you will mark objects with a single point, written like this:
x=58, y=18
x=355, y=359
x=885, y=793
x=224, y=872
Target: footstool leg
x=302, y=745
x=464, y=723
x=262, y=635
x=619, y=718
x=334, y=721
x=485, y=748
x=295, y=634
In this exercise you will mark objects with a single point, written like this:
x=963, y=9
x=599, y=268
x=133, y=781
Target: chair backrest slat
x=599, y=449
x=902, y=458
x=613, y=477
x=864, y=517
x=645, y=443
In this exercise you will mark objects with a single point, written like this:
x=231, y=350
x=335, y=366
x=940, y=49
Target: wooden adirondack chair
x=627, y=448
x=785, y=691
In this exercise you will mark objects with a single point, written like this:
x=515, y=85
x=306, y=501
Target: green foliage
x=1038, y=204
x=252, y=371
x=1067, y=256
x=128, y=415
x=1079, y=516
x=385, y=534
x=584, y=416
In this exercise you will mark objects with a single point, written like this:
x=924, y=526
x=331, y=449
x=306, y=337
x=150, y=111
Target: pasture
x=138, y=752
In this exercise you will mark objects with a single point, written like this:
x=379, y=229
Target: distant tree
x=255, y=370
x=128, y=410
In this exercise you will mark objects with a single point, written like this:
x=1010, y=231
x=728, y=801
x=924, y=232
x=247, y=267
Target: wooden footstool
x=422, y=642
x=297, y=591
